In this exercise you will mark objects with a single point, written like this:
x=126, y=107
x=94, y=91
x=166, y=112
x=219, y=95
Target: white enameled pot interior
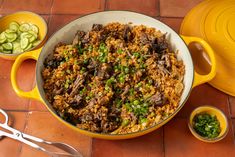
x=67, y=33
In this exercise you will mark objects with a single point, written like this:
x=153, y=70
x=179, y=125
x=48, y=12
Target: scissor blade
x=3, y=133
x=57, y=154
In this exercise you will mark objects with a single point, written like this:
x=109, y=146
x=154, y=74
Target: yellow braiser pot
x=214, y=21
x=66, y=35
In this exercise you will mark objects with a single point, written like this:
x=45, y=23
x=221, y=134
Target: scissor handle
x=6, y=117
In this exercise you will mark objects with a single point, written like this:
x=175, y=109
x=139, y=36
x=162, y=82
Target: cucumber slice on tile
x=24, y=42
x=34, y=28
x=28, y=47
x=36, y=43
x=7, y=46
x=2, y=37
x=24, y=27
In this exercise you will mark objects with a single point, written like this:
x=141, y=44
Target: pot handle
x=200, y=79
x=34, y=93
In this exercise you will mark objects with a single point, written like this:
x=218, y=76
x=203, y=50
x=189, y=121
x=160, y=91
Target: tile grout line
x=91, y=147
x=1, y=5
x=105, y=5
x=52, y=3
x=170, y=17
x=102, y=5
x=159, y=8
x=26, y=122
x=229, y=107
x=106, y=9
x=163, y=141
x=50, y=17
x=231, y=117
x=233, y=127
x=4, y=77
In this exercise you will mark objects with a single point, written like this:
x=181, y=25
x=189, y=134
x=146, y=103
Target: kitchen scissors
x=63, y=149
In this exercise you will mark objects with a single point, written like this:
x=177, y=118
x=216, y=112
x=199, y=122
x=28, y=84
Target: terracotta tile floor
x=174, y=139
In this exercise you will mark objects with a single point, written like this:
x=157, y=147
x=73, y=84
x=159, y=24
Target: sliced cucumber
x=33, y=33
x=14, y=23
x=36, y=43
x=9, y=31
x=34, y=28
x=28, y=47
x=24, y=42
x=2, y=41
x=16, y=45
x=24, y=27
x=14, y=26
x=1, y=48
x=32, y=38
x=25, y=35
x=17, y=50
x=2, y=37
x=18, y=32
x=7, y=46
x=19, y=37
x=7, y=51
x=12, y=37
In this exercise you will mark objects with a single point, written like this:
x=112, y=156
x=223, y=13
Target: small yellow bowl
x=24, y=17
x=212, y=111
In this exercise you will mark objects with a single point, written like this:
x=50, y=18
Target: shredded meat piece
x=156, y=99
x=77, y=84
x=57, y=91
x=159, y=44
x=127, y=35
x=97, y=27
x=86, y=38
x=103, y=101
x=144, y=38
x=104, y=71
x=126, y=90
x=78, y=37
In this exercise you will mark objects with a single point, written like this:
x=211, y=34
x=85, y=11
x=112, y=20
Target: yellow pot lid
x=214, y=21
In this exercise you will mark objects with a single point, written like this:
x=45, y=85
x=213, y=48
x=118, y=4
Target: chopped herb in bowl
x=206, y=125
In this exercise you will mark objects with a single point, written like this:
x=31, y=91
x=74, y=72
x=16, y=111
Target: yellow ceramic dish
x=212, y=111
x=214, y=21
x=66, y=35
x=24, y=17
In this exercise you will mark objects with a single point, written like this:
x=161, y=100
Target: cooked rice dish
x=114, y=79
